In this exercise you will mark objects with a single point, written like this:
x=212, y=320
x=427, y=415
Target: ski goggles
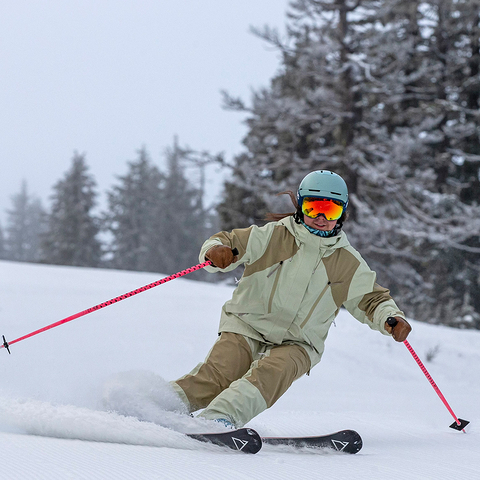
x=313, y=207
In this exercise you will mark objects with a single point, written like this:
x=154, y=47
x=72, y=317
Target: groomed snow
x=55, y=423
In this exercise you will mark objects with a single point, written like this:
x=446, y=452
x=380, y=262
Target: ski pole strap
x=459, y=424
x=107, y=303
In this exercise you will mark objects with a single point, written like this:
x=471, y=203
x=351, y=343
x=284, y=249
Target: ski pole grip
x=392, y=321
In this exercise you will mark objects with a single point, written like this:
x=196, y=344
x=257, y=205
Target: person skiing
x=299, y=271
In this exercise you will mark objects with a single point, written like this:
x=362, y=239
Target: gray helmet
x=324, y=184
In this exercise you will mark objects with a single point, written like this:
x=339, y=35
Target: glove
x=398, y=328
x=221, y=256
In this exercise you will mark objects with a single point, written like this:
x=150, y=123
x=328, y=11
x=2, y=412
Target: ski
x=347, y=441
x=245, y=440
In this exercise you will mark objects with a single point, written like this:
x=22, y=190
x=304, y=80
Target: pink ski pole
x=458, y=424
x=6, y=344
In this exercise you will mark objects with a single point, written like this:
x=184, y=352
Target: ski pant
x=241, y=377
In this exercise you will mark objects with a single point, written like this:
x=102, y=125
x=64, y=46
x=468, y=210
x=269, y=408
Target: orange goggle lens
x=313, y=207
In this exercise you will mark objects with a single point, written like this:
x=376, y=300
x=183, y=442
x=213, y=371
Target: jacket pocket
x=257, y=308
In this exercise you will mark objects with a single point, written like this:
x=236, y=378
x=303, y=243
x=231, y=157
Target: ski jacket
x=294, y=284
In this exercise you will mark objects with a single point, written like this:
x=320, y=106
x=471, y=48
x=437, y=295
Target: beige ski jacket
x=294, y=284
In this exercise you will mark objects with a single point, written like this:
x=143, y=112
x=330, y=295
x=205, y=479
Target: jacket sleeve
x=250, y=242
x=373, y=308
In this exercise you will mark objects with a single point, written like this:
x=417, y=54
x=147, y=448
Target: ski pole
x=6, y=344
x=458, y=424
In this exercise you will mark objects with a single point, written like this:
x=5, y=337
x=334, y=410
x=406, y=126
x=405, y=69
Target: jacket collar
x=302, y=235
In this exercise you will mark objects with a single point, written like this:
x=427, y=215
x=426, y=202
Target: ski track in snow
x=54, y=426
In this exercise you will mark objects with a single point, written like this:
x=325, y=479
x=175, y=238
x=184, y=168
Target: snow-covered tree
x=240, y=206
x=386, y=94
x=156, y=219
x=421, y=66
x=25, y=226
x=3, y=254
x=182, y=219
x=132, y=218
x=72, y=229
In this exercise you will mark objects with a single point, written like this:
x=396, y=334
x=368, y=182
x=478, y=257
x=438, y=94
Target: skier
x=299, y=271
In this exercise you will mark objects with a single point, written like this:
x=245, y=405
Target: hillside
x=54, y=424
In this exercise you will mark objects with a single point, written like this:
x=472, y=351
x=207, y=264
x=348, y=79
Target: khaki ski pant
x=241, y=377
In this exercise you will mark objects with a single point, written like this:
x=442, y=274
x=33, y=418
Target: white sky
x=105, y=77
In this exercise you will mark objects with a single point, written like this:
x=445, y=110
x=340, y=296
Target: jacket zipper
x=322, y=293
x=275, y=269
x=275, y=284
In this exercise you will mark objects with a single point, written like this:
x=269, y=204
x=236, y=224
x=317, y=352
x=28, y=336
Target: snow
x=58, y=388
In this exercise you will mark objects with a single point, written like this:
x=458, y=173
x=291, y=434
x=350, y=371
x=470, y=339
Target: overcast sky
x=106, y=77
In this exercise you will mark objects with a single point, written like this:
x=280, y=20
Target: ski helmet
x=323, y=184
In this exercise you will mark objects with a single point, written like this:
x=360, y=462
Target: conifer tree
x=72, y=229
x=182, y=219
x=156, y=219
x=25, y=226
x=386, y=94
x=132, y=219
x=2, y=245
x=422, y=62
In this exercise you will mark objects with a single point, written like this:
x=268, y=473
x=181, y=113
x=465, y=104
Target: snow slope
x=54, y=423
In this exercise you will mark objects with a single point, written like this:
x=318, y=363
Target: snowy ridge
x=101, y=378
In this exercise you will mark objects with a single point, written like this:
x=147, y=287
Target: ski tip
x=350, y=441
x=346, y=441
x=255, y=441
x=460, y=426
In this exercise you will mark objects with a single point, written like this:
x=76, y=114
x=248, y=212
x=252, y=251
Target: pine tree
x=423, y=64
x=182, y=219
x=311, y=116
x=3, y=254
x=72, y=229
x=132, y=220
x=240, y=206
x=25, y=226
x=386, y=94
x=156, y=220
